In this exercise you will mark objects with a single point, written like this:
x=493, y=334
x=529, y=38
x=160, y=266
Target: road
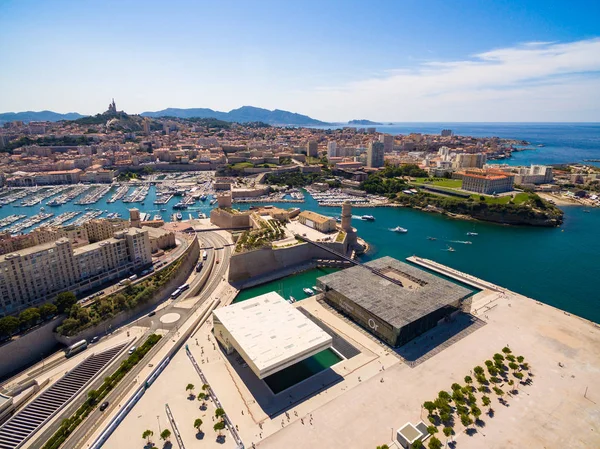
x=222, y=252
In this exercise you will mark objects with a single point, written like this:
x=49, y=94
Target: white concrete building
x=269, y=333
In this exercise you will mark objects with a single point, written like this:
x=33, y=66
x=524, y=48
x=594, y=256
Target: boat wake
x=464, y=242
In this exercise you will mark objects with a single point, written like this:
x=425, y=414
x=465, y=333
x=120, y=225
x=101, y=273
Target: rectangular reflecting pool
x=300, y=371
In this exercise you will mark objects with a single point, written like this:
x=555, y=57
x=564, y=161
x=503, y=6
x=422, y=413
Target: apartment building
x=470, y=160
x=375, y=153
x=35, y=275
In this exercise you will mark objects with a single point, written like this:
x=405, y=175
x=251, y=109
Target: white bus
x=76, y=348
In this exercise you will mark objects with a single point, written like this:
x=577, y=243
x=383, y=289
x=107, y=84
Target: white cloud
x=535, y=81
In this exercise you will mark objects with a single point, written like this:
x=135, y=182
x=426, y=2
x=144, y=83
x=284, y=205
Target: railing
x=174, y=425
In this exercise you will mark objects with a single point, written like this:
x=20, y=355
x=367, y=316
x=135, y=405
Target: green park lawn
x=440, y=182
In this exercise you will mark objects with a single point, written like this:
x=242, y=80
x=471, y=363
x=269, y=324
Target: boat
x=317, y=289
x=586, y=211
x=178, y=215
x=472, y=233
x=431, y=238
x=308, y=291
x=338, y=219
x=213, y=202
x=368, y=218
x=157, y=217
x=450, y=249
x=292, y=300
x=400, y=230
x=201, y=215
x=203, y=197
x=163, y=210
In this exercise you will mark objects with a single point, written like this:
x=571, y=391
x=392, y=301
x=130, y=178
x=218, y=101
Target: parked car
x=152, y=313
x=95, y=339
x=132, y=350
x=103, y=406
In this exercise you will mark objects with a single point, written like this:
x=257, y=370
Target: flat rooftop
x=421, y=293
x=270, y=334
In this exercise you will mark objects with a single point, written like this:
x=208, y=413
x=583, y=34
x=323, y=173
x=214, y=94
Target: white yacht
x=400, y=229
x=308, y=291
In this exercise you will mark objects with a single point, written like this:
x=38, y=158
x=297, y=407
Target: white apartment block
x=35, y=275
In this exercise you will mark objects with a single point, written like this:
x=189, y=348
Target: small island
x=363, y=122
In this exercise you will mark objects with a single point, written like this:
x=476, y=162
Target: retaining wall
x=28, y=348
x=190, y=259
x=261, y=261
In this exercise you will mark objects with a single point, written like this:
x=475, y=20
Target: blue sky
x=402, y=60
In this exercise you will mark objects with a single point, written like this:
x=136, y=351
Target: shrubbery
x=81, y=318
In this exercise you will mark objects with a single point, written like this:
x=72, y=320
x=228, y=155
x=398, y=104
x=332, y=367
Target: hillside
x=241, y=115
x=39, y=116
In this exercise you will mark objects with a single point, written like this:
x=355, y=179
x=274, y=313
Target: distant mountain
x=241, y=115
x=363, y=122
x=41, y=116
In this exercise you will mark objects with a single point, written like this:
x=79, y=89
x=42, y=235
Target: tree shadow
x=491, y=413
x=503, y=402
x=203, y=407
x=191, y=397
x=452, y=444
x=221, y=439
x=168, y=445
x=479, y=423
x=148, y=445
x=200, y=435
x=471, y=431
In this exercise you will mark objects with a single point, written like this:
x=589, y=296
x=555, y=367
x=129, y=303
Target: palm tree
x=432, y=430
x=468, y=381
x=448, y=433
x=205, y=387
x=465, y=420
x=219, y=413
x=476, y=412
x=520, y=359
x=486, y=401
x=498, y=391
x=513, y=366
x=506, y=350
x=478, y=370
x=190, y=388
x=147, y=435
x=197, y=424
x=219, y=426
x=444, y=395
x=202, y=398
x=429, y=406
x=383, y=446
x=434, y=443
x=165, y=435
x=418, y=444
x=455, y=386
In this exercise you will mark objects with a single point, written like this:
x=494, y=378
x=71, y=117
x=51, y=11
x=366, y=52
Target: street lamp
x=158, y=419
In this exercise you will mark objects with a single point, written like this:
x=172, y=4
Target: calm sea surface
x=560, y=267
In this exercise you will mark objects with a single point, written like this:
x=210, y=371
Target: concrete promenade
x=559, y=409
